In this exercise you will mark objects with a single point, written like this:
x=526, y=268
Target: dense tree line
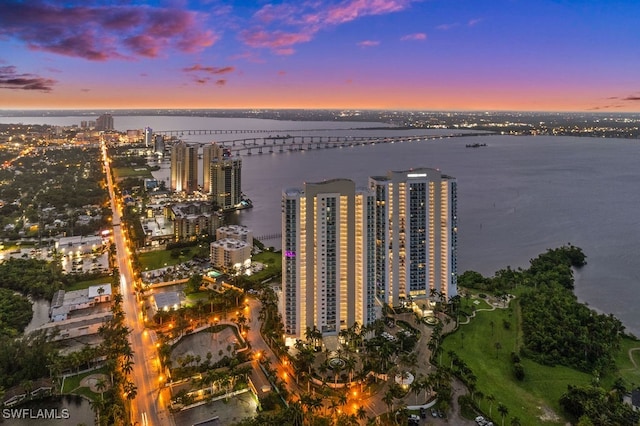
x=37, y=278
x=593, y=405
x=25, y=359
x=34, y=277
x=15, y=313
x=556, y=328
x=559, y=330
x=553, y=266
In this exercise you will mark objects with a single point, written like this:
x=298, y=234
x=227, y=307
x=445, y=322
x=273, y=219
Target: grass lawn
x=273, y=263
x=626, y=369
x=80, y=285
x=72, y=384
x=476, y=343
x=159, y=259
x=192, y=298
x=137, y=171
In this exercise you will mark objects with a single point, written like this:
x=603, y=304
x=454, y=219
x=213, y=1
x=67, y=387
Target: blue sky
x=357, y=54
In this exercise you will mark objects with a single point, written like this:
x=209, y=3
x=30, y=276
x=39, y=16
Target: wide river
x=517, y=196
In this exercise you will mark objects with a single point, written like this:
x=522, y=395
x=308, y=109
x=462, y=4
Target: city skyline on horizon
x=559, y=56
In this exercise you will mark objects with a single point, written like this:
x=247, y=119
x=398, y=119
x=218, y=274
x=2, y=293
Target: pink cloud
x=306, y=19
x=11, y=79
x=353, y=9
x=271, y=13
x=202, y=73
x=248, y=56
x=414, y=36
x=368, y=43
x=279, y=41
x=282, y=73
x=474, y=22
x=446, y=27
x=208, y=69
x=101, y=32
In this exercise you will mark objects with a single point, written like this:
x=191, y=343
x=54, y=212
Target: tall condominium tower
x=104, y=122
x=416, y=234
x=184, y=167
x=222, y=176
x=148, y=136
x=328, y=246
x=158, y=144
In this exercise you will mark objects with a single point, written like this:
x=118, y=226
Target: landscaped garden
x=509, y=379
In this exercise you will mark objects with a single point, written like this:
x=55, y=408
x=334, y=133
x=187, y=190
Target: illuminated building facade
x=104, y=122
x=416, y=235
x=184, y=167
x=148, y=137
x=222, y=177
x=328, y=246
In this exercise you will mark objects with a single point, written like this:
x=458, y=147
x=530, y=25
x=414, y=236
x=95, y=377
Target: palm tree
x=131, y=390
x=416, y=386
x=388, y=400
x=503, y=410
x=101, y=386
x=361, y=413
x=333, y=407
x=342, y=399
x=127, y=366
x=515, y=421
x=295, y=414
x=490, y=399
x=498, y=346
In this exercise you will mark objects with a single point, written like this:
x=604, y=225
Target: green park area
x=486, y=345
x=82, y=284
x=160, y=258
x=139, y=171
x=273, y=266
x=88, y=384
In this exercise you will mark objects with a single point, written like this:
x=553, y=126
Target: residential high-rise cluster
x=221, y=173
x=328, y=257
x=104, y=122
x=347, y=251
x=222, y=176
x=184, y=167
x=416, y=233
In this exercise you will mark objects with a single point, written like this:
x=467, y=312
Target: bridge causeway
x=289, y=143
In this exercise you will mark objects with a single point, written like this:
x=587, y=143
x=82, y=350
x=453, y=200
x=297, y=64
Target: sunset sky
x=536, y=55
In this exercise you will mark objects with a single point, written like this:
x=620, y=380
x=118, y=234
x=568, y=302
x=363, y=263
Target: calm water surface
x=516, y=197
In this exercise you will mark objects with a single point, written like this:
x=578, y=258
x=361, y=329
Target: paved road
x=149, y=408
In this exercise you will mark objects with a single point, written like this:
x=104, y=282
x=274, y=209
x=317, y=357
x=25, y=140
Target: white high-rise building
x=416, y=234
x=328, y=246
x=148, y=137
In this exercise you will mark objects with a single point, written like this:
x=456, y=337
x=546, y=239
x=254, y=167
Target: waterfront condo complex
x=416, y=235
x=328, y=257
x=184, y=167
x=222, y=176
x=347, y=251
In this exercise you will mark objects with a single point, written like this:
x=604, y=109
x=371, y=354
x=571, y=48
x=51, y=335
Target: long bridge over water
x=191, y=132
x=289, y=143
